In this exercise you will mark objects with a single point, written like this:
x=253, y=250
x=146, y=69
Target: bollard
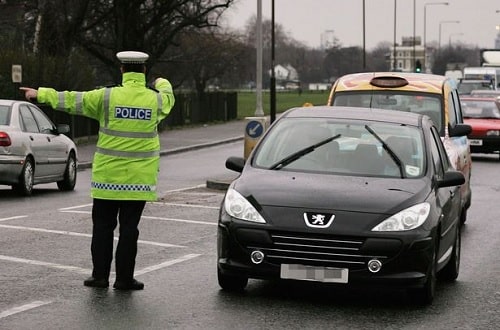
x=254, y=130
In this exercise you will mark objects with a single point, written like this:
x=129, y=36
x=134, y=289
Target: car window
x=458, y=107
x=480, y=108
x=4, y=115
x=28, y=121
x=439, y=157
x=44, y=124
x=452, y=115
x=421, y=103
x=357, y=151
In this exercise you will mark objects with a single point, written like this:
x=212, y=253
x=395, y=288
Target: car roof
x=416, y=81
x=8, y=102
x=477, y=98
x=356, y=113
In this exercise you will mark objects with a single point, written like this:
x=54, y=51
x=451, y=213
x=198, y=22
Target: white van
x=483, y=73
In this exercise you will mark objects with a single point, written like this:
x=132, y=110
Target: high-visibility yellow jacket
x=127, y=157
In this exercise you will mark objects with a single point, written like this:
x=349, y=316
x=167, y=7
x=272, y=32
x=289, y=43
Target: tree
x=104, y=27
x=205, y=56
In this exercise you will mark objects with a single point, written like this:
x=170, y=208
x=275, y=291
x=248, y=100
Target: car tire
x=26, y=179
x=231, y=282
x=450, y=272
x=69, y=181
x=425, y=295
x=463, y=216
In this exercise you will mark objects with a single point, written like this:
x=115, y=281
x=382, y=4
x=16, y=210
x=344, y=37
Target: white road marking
x=46, y=264
x=182, y=220
x=187, y=205
x=69, y=233
x=158, y=218
x=75, y=207
x=184, y=189
x=23, y=308
x=13, y=218
x=166, y=264
x=88, y=271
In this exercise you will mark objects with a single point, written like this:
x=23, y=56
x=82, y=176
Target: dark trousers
x=105, y=217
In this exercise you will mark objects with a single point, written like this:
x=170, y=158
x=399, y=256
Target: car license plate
x=312, y=273
x=476, y=142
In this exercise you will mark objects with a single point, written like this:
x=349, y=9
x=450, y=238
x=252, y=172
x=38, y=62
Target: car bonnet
x=330, y=192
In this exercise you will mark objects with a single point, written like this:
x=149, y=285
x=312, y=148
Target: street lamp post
x=451, y=35
x=425, y=28
x=440, y=24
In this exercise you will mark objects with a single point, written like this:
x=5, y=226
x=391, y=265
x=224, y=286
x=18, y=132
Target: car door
x=461, y=144
x=56, y=148
x=37, y=141
x=448, y=198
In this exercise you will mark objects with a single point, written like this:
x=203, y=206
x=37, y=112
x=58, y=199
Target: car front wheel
x=230, y=282
x=450, y=271
x=26, y=179
x=69, y=180
x=425, y=295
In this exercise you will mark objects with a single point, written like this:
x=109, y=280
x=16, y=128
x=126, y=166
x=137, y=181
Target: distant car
x=33, y=150
x=351, y=196
x=466, y=86
x=433, y=95
x=483, y=115
x=484, y=93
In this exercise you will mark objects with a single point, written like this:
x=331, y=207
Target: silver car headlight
x=408, y=219
x=238, y=207
x=493, y=133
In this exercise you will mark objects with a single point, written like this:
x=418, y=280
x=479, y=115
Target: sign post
x=17, y=73
x=254, y=130
x=17, y=78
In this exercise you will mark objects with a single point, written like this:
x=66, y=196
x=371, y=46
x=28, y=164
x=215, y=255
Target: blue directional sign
x=254, y=129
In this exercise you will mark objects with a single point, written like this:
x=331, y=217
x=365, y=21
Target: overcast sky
x=306, y=20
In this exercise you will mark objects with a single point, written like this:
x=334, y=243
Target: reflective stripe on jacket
x=126, y=162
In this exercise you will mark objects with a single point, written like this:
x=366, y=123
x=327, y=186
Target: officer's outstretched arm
x=165, y=88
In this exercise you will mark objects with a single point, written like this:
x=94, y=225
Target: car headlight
x=493, y=133
x=408, y=219
x=238, y=207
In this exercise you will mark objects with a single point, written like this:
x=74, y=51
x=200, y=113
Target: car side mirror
x=450, y=179
x=235, y=164
x=459, y=130
x=62, y=128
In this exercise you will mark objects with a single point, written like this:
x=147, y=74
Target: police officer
x=126, y=162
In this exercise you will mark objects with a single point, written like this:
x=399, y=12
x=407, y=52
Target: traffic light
x=418, y=66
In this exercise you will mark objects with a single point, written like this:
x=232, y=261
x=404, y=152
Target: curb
x=88, y=164
x=218, y=184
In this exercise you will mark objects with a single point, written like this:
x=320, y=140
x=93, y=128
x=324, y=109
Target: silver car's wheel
x=69, y=181
x=26, y=179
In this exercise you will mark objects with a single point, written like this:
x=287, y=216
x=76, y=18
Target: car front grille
x=328, y=251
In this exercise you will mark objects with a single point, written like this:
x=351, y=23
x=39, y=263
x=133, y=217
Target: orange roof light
x=389, y=82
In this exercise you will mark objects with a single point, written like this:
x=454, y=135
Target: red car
x=483, y=115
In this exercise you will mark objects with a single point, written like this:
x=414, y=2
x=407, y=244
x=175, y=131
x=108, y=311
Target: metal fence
x=189, y=109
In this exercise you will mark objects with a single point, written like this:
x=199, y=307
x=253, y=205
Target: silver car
x=33, y=150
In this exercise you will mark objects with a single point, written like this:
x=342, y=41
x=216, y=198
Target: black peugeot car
x=343, y=195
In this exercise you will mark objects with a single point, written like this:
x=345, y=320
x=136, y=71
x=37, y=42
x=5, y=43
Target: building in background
x=328, y=39
x=407, y=56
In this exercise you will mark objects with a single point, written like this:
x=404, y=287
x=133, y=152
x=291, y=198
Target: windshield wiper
x=302, y=152
x=391, y=153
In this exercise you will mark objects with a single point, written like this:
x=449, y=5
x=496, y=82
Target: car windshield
x=4, y=115
x=480, y=109
x=427, y=104
x=468, y=86
x=357, y=148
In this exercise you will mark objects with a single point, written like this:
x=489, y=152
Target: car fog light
x=374, y=265
x=257, y=257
